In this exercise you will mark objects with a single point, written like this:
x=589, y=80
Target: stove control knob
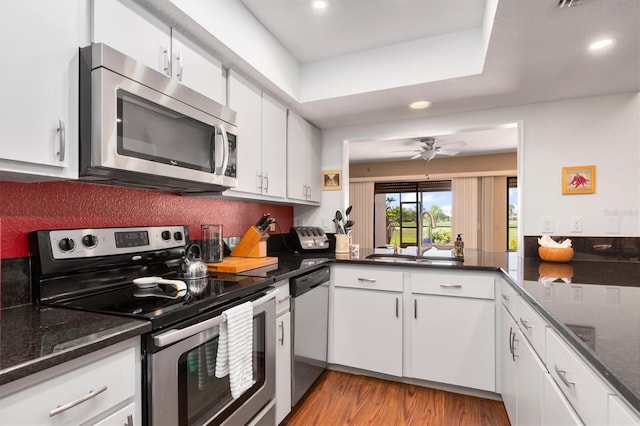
x=166, y=235
x=177, y=236
x=66, y=244
x=309, y=243
x=90, y=241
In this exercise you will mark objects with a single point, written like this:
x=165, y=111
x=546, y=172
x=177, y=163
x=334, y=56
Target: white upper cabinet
x=304, y=160
x=262, y=139
x=130, y=29
x=39, y=86
x=196, y=68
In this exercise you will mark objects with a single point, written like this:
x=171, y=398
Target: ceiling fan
x=429, y=149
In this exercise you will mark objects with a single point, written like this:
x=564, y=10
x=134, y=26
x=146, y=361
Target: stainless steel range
x=98, y=270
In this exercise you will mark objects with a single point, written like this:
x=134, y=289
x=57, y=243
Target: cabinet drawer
x=367, y=277
x=35, y=404
x=533, y=326
x=447, y=284
x=509, y=296
x=586, y=392
x=283, y=297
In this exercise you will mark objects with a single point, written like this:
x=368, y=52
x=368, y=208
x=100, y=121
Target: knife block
x=252, y=244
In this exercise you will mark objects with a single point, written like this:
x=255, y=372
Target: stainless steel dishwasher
x=309, y=325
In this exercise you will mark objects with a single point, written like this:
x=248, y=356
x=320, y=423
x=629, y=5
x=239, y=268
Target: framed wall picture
x=331, y=180
x=579, y=180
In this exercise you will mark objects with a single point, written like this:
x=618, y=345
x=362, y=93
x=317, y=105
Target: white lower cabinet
x=452, y=341
x=556, y=410
x=283, y=366
x=89, y=390
x=368, y=330
x=452, y=328
x=619, y=414
x=283, y=351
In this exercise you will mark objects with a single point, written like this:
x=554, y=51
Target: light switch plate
x=547, y=223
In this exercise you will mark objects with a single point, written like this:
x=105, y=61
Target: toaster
x=310, y=238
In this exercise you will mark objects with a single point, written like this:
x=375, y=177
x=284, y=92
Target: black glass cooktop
x=162, y=304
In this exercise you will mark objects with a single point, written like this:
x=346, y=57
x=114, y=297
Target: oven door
x=183, y=387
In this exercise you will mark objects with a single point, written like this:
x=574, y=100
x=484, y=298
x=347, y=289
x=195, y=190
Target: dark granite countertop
x=34, y=338
x=594, y=305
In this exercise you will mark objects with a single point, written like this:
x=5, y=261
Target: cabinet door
x=531, y=373
x=283, y=366
x=39, y=86
x=453, y=341
x=296, y=157
x=509, y=384
x=195, y=68
x=130, y=29
x=368, y=330
x=556, y=410
x=274, y=147
x=314, y=164
x=246, y=100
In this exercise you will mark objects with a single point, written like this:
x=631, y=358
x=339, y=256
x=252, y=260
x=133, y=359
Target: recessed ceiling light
x=320, y=4
x=420, y=104
x=601, y=44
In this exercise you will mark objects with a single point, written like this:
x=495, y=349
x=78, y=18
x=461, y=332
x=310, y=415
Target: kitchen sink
x=418, y=260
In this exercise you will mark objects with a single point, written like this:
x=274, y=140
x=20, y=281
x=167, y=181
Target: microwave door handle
x=225, y=149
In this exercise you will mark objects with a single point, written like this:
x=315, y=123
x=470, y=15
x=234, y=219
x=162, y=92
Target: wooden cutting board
x=233, y=265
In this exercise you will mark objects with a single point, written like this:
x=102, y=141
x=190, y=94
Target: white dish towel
x=235, y=348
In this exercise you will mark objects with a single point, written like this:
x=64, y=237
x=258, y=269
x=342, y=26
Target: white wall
x=603, y=130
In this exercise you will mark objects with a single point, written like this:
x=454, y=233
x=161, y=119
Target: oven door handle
x=173, y=336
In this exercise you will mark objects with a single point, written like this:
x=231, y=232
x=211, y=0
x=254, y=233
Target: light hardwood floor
x=345, y=399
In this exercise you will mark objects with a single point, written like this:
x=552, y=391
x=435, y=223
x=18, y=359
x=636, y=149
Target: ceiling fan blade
x=415, y=156
x=408, y=150
x=447, y=152
x=452, y=143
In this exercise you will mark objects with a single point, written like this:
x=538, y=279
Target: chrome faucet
x=422, y=247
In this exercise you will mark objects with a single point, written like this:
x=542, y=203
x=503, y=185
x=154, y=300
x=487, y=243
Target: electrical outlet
x=272, y=227
x=576, y=224
x=576, y=294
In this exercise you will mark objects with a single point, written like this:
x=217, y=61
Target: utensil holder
x=342, y=243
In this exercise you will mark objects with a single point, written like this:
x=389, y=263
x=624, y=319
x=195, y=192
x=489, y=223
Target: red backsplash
x=25, y=207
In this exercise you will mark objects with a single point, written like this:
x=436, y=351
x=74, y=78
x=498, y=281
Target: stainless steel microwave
x=140, y=128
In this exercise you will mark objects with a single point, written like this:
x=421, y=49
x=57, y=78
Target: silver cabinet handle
x=282, y=333
x=167, y=61
x=415, y=308
x=513, y=346
x=563, y=376
x=259, y=181
x=68, y=405
x=179, y=64
x=505, y=297
x=525, y=324
x=63, y=141
x=308, y=192
x=367, y=280
x=510, y=342
x=397, y=307
x=450, y=286
x=129, y=420
x=266, y=179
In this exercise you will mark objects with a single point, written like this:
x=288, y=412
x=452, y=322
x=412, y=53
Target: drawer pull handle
x=68, y=405
x=367, y=280
x=563, y=376
x=282, y=335
x=505, y=297
x=397, y=307
x=450, y=286
x=525, y=324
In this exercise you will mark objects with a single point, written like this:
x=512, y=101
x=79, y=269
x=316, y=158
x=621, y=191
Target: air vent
x=571, y=3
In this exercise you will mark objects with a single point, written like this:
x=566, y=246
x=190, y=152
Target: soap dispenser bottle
x=458, y=247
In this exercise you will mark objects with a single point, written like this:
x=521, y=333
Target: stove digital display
x=132, y=239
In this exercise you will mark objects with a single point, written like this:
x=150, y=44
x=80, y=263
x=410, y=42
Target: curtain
x=361, y=198
x=466, y=211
